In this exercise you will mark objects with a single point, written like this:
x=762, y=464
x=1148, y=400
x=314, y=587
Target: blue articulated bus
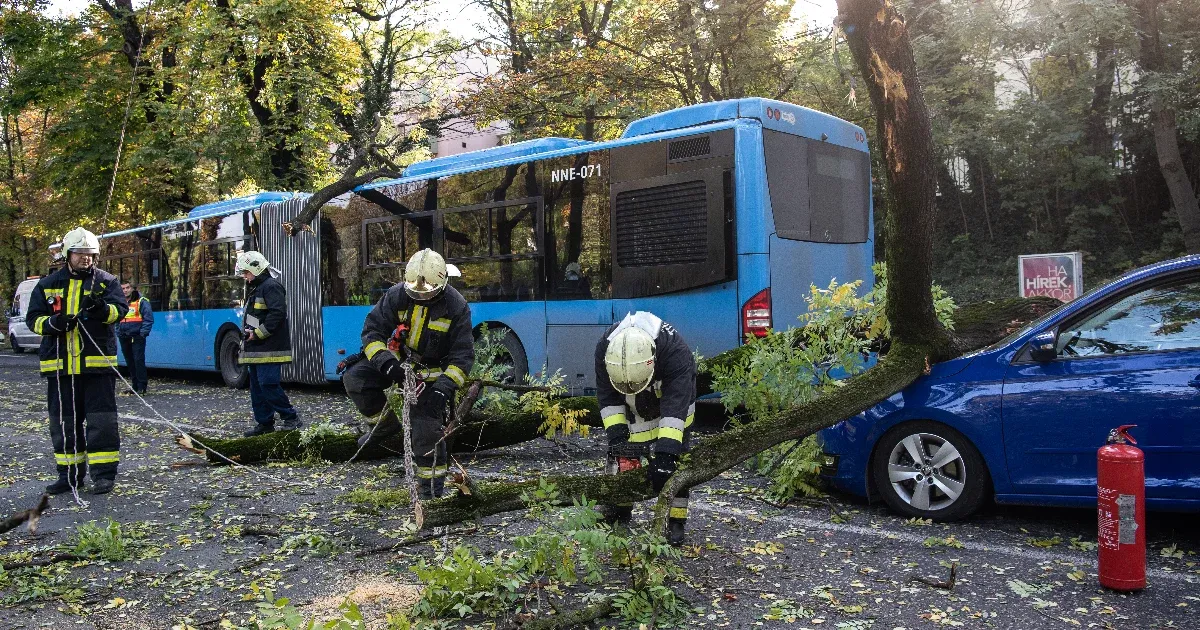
x=717, y=217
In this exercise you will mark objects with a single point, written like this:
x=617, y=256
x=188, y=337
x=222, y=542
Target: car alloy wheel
x=929, y=470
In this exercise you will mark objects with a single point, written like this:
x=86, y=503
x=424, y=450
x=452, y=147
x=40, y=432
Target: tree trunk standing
x=1153, y=59
x=1099, y=140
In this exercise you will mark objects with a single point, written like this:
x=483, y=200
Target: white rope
x=192, y=438
x=72, y=475
x=137, y=60
x=410, y=393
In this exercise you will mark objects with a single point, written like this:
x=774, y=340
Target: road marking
x=909, y=537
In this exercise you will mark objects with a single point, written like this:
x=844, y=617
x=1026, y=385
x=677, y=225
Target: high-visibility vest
x=135, y=312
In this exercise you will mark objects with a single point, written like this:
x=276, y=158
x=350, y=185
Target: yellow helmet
x=630, y=360
x=425, y=275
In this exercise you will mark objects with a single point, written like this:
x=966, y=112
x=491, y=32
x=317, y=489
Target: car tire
x=519, y=362
x=909, y=488
x=228, y=351
x=16, y=347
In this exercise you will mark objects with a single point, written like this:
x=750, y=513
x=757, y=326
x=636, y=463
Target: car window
x=1165, y=317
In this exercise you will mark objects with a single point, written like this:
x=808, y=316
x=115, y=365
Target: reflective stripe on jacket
x=72, y=352
x=266, y=315
x=138, y=321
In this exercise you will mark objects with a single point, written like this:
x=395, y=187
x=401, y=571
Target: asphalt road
x=834, y=562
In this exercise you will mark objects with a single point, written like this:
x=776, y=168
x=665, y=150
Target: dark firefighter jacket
x=138, y=321
x=666, y=408
x=73, y=352
x=437, y=335
x=266, y=315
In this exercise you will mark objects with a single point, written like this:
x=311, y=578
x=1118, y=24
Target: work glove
x=62, y=323
x=662, y=467
x=392, y=369
x=618, y=435
x=95, y=307
x=434, y=404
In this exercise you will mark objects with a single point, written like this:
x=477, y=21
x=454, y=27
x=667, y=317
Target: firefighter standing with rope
x=646, y=386
x=427, y=323
x=133, y=333
x=74, y=310
x=266, y=345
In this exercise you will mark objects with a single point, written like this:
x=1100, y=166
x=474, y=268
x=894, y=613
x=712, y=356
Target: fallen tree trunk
x=477, y=433
x=30, y=516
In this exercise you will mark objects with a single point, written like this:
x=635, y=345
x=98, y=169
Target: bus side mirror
x=1042, y=346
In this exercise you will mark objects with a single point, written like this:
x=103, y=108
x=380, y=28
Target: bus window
x=466, y=233
x=577, y=227
x=182, y=257
x=222, y=287
x=819, y=191
x=496, y=249
x=389, y=241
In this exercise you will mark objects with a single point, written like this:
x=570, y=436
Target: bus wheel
x=236, y=376
x=515, y=360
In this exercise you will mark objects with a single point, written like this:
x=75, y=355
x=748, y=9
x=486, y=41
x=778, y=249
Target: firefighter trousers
x=367, y=388
x=83, y=425
x=624, y=511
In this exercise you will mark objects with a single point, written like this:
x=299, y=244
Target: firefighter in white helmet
x=266, y=345
x=646, y=386
x=427, y=322
x=74, y=310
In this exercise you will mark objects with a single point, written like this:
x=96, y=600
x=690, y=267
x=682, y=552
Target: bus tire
x=519, y=363
x=228, y=351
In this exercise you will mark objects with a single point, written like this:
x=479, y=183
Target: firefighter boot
x=64, y=483
x=387, y=426
x=102, y=486
x=675, y=531
x=293, y=424
x=259, y=429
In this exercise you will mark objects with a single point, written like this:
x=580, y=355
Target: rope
x=410, y=393
x=137, y=60
x=72, y=474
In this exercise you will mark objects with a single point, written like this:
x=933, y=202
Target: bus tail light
x=756, y=315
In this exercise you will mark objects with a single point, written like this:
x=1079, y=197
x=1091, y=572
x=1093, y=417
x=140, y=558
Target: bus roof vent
x=688, y=148
x=494, y=154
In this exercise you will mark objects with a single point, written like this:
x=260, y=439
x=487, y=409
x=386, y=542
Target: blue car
x=1021, y=420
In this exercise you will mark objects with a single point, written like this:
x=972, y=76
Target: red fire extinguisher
x=1121, y=507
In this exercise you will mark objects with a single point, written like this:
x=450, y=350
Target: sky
x=459, y=21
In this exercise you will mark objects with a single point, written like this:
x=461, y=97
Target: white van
x=19, y=335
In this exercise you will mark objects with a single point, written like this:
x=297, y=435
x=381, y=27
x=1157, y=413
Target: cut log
x=478, y=433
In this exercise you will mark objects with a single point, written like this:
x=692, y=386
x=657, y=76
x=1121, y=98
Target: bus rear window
x=819, y=192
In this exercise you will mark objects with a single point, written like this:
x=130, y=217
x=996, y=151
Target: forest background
x=1061, y=125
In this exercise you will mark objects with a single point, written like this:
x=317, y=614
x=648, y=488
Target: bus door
x=298, y=261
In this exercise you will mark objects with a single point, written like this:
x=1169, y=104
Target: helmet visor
x=421, y=290
x=630, y=389
x=84, y=250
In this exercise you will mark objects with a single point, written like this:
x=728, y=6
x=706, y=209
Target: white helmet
x=253, y=262
x=630, y=360
x=81, y=241
x=425, y=276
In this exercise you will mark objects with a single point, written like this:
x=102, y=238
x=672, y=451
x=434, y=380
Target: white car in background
x=19, y=335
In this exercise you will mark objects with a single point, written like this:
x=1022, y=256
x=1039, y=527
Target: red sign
x=1059, y=276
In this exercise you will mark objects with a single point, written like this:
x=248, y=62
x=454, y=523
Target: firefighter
x=74, y=310
x=646, y=386
x=428, y=323
x=133, y=331
x=266, y=345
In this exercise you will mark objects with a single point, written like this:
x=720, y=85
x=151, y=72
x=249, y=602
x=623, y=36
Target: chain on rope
x=137, y=60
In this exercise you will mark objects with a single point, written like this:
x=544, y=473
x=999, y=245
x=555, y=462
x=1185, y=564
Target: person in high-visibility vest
x=74, y=310
x=132, y=332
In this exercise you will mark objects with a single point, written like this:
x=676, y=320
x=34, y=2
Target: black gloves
x=618, y=434
x=95, y=307
x=662, y=466
x=434, y=404
x=62, y=323
x=392, y=369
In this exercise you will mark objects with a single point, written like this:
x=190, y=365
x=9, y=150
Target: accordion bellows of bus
x=716, y=217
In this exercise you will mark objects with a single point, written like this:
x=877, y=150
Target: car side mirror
x=1042, y=346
